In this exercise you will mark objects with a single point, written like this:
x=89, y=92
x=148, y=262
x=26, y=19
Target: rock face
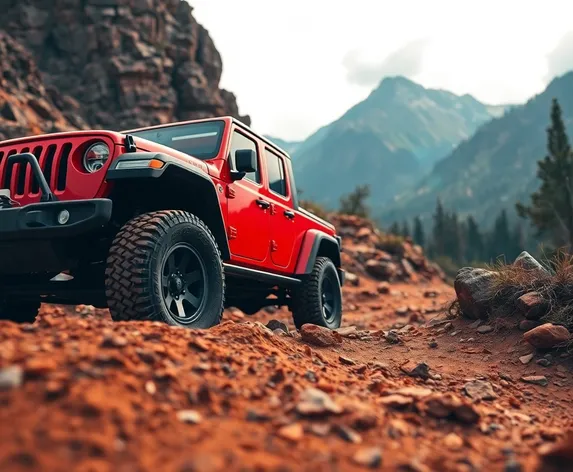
x=26, y=105
x=474, y=288
x=114, y=64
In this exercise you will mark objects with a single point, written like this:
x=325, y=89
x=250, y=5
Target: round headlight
x=95, y=157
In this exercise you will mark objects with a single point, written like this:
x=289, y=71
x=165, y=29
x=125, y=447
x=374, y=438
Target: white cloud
x=288, y=62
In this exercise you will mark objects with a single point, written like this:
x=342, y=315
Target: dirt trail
x=79, y=392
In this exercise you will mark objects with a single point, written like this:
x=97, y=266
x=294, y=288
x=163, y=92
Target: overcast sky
x=297, y=65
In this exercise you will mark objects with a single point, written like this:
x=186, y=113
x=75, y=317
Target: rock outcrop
x=368, y=252
x=114, y=64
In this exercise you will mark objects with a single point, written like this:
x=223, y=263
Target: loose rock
x=547, y=336
x=480, y=390
x=314, y=402
x=532, y=305
x=292, y=432
x=368, y=457
x=11, y=377
x=536, y=380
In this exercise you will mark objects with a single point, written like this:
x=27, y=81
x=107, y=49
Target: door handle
x=263, y=204
x=289, y=214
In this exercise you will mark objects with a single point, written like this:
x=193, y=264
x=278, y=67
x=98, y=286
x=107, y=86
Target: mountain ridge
x=494, y=168
x=388, y=140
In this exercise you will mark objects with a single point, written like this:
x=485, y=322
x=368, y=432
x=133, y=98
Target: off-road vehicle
x=171, y=223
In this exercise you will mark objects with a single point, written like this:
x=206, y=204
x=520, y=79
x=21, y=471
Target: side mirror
x=245, y=162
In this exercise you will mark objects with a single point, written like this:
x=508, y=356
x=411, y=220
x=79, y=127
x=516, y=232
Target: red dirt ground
x=102, y=396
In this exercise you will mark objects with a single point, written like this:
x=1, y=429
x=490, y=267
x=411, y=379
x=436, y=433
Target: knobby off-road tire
x=19, y=311
x=319, y=300
x=166, y=266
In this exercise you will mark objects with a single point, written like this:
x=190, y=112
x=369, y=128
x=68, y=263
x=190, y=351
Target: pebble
x=292, y=432
x=368, y=457
x=480, y=390
x=11, y=377
x=485, y=329
x=316, y=402
x=536, y=380
x=453, y=441
x=348, y=434
x=527, y=358
x=273, y=325
x=189, y=416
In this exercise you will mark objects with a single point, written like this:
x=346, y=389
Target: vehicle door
x=282, y=214
x=248, y=212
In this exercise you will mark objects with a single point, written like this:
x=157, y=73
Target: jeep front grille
x=54, y=161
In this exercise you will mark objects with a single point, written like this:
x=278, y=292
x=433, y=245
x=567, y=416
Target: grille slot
x=21, y=170
x=54, y=161
x=63, y=167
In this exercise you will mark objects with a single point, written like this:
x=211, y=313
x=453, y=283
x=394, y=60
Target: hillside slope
x=495, y=167
x=114, y=64
x=387, y=141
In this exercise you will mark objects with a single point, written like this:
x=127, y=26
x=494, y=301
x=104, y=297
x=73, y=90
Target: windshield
x=200, y=140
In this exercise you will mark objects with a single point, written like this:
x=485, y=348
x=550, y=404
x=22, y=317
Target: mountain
x=493, y=169
x=288, y=146
x=106, y=64
x=389, y=141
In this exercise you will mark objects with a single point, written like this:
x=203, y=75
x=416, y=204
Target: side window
x=276, y=173
x=240, y=141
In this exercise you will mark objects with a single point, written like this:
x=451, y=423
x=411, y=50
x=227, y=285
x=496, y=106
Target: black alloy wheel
x=184, y=283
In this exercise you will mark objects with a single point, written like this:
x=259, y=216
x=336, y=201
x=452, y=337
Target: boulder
x=547, y=336
x=528, y=262
x=474, y=289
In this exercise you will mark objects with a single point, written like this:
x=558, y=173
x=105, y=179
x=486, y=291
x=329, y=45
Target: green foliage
x=456, y=243
x=394, y=229
x=355, y=202
x=391, y=243
x=419, y=233
x=551, y=208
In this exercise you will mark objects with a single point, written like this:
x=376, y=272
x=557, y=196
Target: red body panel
x=264, y=239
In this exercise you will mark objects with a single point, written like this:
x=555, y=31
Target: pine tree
x=405, y=231
x=517, y=241
x=419, y=235
x=394, y=229
x=439, y=230
x=355, y=202
x=551, y=209
x=500, y=238
x=474, y=241
x=452, y=238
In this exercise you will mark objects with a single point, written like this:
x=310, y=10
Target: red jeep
x=172, y=223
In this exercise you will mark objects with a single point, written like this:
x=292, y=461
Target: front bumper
x=40, y=220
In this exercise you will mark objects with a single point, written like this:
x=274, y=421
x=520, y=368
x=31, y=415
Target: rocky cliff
x=112, y=64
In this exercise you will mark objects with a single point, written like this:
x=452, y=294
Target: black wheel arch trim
x=180, y=168
x=331, y=248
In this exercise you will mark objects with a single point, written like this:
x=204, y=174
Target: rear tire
x=319, y=300
x=19, y=311
x=166, y=266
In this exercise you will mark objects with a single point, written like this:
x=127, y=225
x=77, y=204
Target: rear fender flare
x=318, y=244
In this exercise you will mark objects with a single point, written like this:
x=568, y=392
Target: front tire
x=166, y=266
x=319, y=300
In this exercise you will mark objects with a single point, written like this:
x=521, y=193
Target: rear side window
x=240, y=141
x=276, y=173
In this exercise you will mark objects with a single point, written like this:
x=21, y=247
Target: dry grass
x=554, y=285
x=391, y=243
